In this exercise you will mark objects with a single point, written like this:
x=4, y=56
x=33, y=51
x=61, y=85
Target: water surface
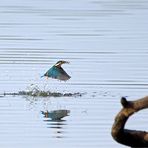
x=106, y=44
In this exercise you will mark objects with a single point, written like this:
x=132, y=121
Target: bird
x=57, y=72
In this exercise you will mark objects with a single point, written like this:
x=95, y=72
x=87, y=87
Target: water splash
x=35, y=91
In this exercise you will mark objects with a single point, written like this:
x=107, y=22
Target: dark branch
x=128, y=137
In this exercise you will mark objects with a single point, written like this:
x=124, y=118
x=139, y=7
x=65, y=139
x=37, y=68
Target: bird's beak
x=66, y=62
x=61, y=62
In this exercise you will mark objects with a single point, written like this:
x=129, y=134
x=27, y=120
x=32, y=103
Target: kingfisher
x=57, y=72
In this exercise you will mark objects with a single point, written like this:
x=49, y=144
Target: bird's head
x=59, y=63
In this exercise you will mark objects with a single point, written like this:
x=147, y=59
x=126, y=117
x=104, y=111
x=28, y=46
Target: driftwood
x=132, y=138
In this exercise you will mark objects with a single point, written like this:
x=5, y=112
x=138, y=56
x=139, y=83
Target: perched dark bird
x=57, y=72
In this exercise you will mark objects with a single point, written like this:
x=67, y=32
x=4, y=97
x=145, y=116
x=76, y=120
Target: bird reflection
x=57, y=127
x=56, y=115
x=55, y=122
x=57, y=72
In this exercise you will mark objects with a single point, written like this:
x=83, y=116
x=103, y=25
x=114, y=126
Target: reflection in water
x=58, y=127
x=56, y=124
x=56, y=114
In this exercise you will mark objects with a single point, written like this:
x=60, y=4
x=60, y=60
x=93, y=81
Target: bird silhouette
x=57, y=72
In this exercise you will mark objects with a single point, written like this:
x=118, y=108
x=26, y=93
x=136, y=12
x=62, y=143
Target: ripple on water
x=107, y=48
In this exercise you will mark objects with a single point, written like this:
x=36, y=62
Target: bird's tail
x=42, y=76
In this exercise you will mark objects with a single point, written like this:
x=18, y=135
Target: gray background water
x=106, y=44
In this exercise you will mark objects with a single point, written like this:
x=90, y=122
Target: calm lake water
x=106, y=43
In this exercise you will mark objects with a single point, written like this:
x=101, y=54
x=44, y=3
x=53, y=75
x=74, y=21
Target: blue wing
x=57, y=73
